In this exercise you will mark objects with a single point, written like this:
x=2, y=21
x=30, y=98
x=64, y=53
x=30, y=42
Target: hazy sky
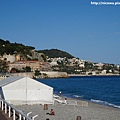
x=88, y=31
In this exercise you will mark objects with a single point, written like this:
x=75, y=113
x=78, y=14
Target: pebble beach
x=70, y=112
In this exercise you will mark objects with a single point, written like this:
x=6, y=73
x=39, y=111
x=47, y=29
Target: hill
x=55, y=53
x=12, y=48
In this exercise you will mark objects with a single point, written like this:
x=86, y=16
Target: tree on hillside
x=10, y=48
x=37, y=73
x=55, y=53
x=3, y=66
x=43, y=57
x=27, y=69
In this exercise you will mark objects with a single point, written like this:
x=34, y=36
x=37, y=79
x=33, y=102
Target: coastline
x=73, y=75
x=78, y=96
x=98, y=102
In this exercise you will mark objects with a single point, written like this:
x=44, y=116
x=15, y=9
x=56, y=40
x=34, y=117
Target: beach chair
x=56, y=96
x=72, y=102
x=60, y=101
x=82, y=103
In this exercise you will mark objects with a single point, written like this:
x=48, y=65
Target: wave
x=77, y=96
x=105, y=103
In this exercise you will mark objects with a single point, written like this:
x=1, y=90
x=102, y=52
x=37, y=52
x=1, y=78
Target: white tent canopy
x=24, y=90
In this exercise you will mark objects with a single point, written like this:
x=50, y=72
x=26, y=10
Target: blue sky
x=89, y=32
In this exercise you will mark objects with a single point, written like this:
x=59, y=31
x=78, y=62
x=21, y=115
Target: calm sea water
x=101, y=89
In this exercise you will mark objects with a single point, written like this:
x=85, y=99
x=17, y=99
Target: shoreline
x=93, y=102
x=79, y=75
x=93, y=111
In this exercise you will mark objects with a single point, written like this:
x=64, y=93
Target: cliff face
x=37, y=55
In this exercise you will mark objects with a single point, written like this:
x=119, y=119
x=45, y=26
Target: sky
x=89, y=30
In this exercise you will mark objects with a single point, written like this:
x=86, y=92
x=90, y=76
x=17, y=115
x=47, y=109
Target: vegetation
x=55, y=53
x=17, y=48
x=44, y=57
x=14, y=48
x=3, y=66
x=62, y=65
x=37, y=73
x=27, y=69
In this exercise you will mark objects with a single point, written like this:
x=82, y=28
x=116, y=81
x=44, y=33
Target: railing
x=12, y=111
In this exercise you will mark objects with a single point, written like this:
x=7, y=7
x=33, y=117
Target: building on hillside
x=17, y=58
x=33, y=64
x=81, y=65
x=45, y=66
x=54, y=63
x=24, y=90
x=10, y=58
x=18, y=65
x=103, y=72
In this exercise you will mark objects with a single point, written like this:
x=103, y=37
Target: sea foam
x=105, y=103
x=77, y=96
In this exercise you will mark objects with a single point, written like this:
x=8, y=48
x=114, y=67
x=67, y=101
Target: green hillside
x=12, y=48
x=55, y=53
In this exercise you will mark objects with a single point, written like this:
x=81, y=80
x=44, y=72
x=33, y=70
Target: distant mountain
x=55, y=53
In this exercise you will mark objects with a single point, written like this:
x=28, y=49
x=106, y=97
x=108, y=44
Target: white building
x=24, y=90
x=81, y=64
x=54, y=63
x=9, y=57
x=103, y=72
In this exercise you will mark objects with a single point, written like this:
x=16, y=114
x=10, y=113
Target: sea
x=103, y=90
